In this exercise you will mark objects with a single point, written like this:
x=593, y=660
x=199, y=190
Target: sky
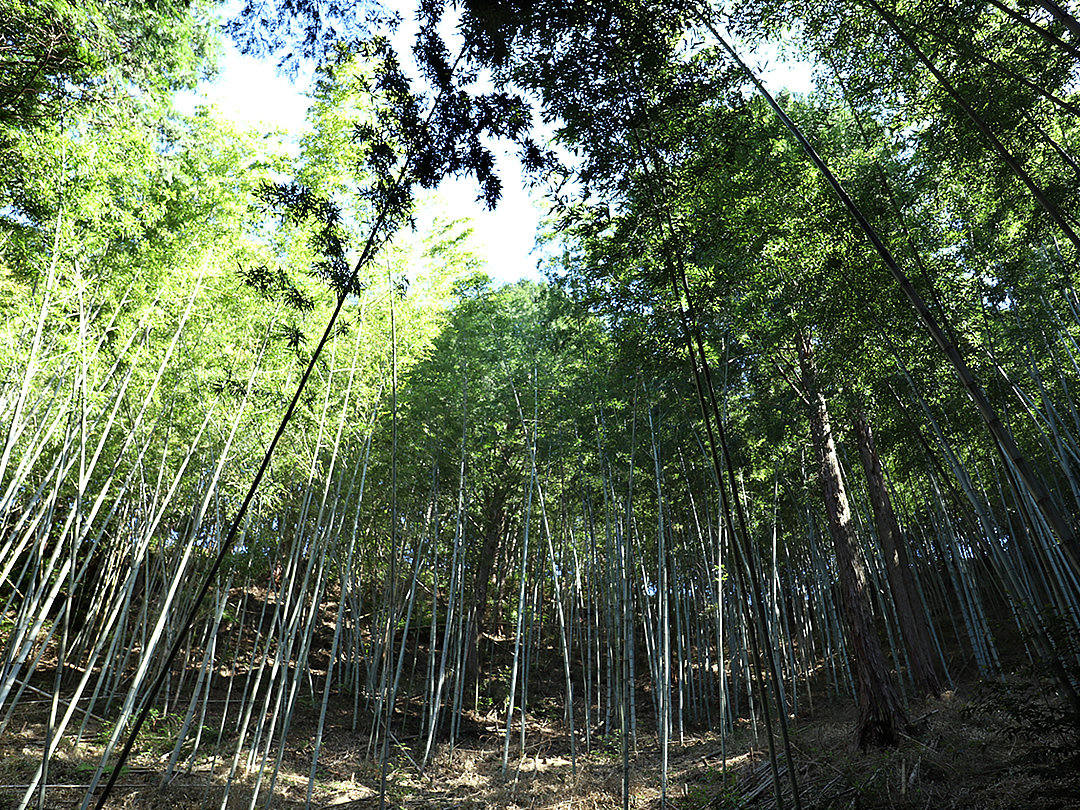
x=252, y=94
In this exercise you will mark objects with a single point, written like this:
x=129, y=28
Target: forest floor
x=986, y=745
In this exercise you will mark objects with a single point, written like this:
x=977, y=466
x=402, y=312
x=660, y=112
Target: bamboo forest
x=760, y=488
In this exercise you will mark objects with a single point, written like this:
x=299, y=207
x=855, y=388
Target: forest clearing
x=767, y=495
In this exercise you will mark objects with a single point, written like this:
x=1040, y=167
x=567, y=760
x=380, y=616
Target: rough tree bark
x=880, y=713
x=914, y=625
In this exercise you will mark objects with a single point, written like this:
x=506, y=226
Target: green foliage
x=58, y=54
x=719, y=790
x=71, y=70
x=157, y=736
x=179, y=284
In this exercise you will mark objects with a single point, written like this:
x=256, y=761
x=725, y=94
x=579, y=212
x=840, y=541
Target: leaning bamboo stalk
x=88, y=671
x=211, y=490
x=384, y=221
x=663, y=622
x=14, y=426
x=205, y=676
x=111, y=418
x=53, y=415
x=1001, y=434
x=391, y=576
x=80, y=386
x=564, y=643
x=348, y=566
x=39, y=441
x=150, y=645
x=520, y=619
x=451, y=605
x=1044, y=33
x=87, y=467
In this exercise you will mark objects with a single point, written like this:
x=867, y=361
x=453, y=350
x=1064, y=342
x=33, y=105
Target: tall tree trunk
x=494, y=527
x=881, y=715
x=914, y=624
x=1059, y=524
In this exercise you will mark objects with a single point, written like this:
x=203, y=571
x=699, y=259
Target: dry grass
x=969, y=751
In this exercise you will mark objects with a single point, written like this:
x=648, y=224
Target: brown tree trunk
x=880, y=713
x=1062, y=526
x=914, y=625
x=493, y=528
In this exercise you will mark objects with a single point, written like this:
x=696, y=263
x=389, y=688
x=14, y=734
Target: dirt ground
x=986, y=745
